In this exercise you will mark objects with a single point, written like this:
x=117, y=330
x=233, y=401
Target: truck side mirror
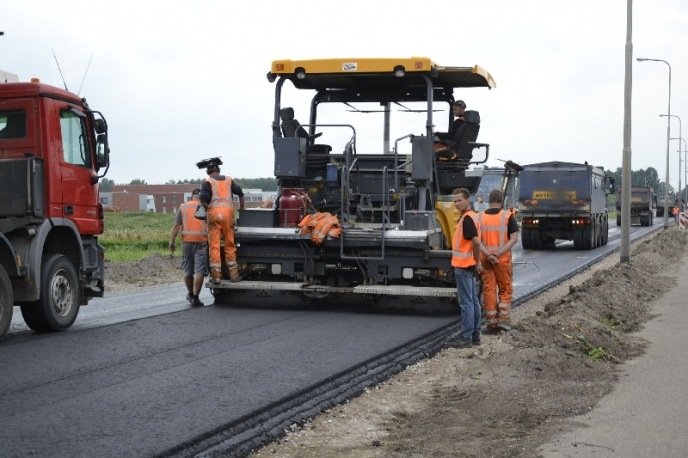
x=611, y=185
x=102, y=152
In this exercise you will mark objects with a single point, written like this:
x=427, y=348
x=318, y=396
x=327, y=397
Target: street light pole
x=624, y=247
x=666, y=184
x=680, y=188
x=685, y=157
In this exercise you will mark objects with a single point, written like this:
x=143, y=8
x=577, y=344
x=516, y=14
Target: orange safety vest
x=320, y=226
x=494, y=231
x=462, y=249
x=194, y=230
x=222, y=192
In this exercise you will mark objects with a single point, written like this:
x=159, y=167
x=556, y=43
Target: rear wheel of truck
x=58, y=306
x=525, y=238
x=6, y=301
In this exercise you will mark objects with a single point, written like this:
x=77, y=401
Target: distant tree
x=265, y=184
x=647, y=177
x=106, y=184
x=170, y=181
x=138, y=181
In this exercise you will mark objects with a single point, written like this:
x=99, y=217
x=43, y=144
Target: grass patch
x=134, y=236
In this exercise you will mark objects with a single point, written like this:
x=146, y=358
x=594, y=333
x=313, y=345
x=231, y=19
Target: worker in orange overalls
x=216, y=197
x=194, y=247
x=499, y=234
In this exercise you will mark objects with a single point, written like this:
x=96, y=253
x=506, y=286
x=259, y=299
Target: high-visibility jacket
x=462, y=249
x=222, y=193
x=494, y=231
x=194, y=230
x=320, y=226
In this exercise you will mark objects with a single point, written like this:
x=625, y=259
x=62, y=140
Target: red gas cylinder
x=292, y=206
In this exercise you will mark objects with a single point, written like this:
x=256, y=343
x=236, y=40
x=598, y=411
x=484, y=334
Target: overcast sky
x=180, y=81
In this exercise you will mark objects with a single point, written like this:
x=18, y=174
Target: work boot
x=196, y=302
x=189, y=298
x=234, y=272
x=215, y=275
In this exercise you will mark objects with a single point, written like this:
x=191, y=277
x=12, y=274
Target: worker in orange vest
x=498, y=235
x=466, y=263
x=194, y=247
x=216, y=197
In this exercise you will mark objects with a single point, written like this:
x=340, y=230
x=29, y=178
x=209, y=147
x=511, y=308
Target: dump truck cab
x=53, y=151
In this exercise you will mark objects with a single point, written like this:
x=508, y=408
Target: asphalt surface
x=140, y=373
x=143, y=386
x=645, y=415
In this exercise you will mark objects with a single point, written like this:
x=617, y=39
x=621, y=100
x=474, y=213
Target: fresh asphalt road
x=140, y=373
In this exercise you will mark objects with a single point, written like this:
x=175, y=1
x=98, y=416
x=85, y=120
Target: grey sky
x=181, y=81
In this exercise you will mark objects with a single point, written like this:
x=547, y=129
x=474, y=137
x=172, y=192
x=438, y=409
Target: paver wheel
x=58, y=306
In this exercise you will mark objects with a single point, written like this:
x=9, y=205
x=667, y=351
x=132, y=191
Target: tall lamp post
x=685, y=158
x=666, y=187
x=679, y=148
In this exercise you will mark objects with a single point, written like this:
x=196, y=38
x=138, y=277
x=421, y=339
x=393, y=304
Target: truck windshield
x=554, y=186
x=12, y=124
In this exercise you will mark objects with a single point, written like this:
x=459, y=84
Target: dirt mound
x=153, y=270
x=518, y=389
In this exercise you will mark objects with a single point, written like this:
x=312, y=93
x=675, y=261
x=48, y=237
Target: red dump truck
x=53, y=152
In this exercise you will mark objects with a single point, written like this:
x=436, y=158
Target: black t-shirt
x=469, y=229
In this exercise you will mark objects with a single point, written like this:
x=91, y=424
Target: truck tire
x=58, y=306
x=525, y=238
x=605, y=231
x=6, y=301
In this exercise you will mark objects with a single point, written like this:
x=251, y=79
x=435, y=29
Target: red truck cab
x=53, y=148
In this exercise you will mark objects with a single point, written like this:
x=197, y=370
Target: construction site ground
x=520, y=392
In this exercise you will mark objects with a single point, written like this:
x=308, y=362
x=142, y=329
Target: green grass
x=134, y=236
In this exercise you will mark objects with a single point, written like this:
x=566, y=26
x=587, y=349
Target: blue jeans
x=469, y=303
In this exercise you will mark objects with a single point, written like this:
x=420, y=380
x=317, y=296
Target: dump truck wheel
x=6, y=301
x=525, y=239
x=58, y=306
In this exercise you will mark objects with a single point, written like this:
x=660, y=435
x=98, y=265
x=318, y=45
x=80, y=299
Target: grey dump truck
x=564, y=200
x=643, y=204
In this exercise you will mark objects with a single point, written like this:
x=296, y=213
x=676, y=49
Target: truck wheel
x=58, y=306
x=6, y=301
x=605, y=231
x=525, y=239
x=588, y=236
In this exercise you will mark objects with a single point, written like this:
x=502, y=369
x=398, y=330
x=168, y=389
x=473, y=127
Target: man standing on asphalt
x=194, y=247
x=466, y=263
x=498, y=235
x=216, y=197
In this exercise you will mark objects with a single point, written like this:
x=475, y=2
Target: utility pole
x=624, y=249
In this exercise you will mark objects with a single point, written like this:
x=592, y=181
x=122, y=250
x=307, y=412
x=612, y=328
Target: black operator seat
x=293, y=128
x=462, y=143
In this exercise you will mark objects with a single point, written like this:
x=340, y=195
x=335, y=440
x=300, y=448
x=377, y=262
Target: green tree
x=138, y=181
x=106, y=184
